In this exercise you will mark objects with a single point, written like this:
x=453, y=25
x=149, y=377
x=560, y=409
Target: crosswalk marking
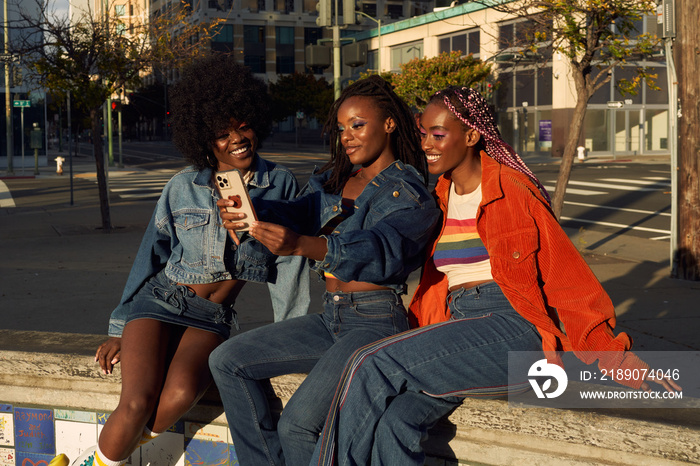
x=139, y=185
x=616, y=225
x=609, y=186
x=648, y=182
x=6, y=199
x=580, y=192
x=620, y=209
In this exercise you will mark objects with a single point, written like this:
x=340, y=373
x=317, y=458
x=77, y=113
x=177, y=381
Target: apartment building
x=534, y=100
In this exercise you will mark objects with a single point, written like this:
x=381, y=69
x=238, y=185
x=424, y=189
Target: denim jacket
x=185, y=237
x=384, y=239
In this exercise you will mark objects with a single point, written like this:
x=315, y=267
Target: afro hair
x=210, y=92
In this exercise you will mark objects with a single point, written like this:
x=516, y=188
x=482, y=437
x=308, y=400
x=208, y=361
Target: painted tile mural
x=7, y=457
x=31, y=436
x=34, y=431
x=7, y=436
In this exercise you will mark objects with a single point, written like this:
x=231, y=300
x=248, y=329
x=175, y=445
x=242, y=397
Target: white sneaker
x=87, y=458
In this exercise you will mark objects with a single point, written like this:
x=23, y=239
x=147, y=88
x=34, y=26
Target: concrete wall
x=54, y=398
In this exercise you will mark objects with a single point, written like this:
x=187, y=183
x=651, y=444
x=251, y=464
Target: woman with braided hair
x=364, y=222
x=502, y=276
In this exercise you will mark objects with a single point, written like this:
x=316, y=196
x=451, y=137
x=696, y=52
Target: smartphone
x=231, y=186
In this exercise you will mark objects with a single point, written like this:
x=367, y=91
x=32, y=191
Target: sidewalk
x=61, y=273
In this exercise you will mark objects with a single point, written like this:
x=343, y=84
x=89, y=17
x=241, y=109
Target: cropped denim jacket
x=185, y=237
x=384, y=239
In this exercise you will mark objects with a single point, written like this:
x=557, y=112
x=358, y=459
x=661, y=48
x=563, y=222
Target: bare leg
x=143, y=359
x=187, y=377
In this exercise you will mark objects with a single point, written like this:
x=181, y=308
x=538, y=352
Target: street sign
x=21, y=103
x=615, y=104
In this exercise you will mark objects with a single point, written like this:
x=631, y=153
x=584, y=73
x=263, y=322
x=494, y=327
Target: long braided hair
x=405, y=139
x=471, y=109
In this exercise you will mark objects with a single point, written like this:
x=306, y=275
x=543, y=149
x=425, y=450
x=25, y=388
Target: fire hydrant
x=581, y=153
x=59, y=165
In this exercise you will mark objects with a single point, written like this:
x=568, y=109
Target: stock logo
x=541, y=369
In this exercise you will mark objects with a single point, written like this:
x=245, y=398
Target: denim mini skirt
x=164, y=300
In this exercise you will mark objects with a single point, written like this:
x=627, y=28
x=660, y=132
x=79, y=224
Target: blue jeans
x=395, y=389
x=319, y=344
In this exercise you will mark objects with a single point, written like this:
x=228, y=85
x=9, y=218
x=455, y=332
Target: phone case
x=230, y=183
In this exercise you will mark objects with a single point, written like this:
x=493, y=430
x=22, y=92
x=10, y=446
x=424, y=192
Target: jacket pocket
x=192, y=239
x=514, y=259
x=187, y=219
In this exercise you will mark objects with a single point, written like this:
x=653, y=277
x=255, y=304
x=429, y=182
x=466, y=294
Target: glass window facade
x=404, y=53
x=254, y=48
x=466, y=42
x=655, y=130
x=284, y=6
x=284, y=48
x=222, y=41
x=595, y=130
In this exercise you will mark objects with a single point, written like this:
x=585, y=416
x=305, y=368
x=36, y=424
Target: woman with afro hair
x=177, y=305
x=364, y=222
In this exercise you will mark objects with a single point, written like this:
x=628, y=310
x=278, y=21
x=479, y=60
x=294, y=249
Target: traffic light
x=349, y=16
x=355, y=54
x=324, y=13
x=317, y=56
x=116, y=105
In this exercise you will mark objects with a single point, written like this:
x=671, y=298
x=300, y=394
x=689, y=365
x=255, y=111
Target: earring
x=212, y=161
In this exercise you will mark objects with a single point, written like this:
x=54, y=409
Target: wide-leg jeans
x=393, y=390
x=319, y=344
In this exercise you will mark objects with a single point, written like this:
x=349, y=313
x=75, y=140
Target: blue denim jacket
x=186, y=238
x=382, y=242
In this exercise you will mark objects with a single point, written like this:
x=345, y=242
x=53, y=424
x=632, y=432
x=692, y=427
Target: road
x=615, y=198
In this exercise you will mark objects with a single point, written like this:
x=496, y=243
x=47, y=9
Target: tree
x=95, y=57
x=687, y=258
x=594, y=36
x=300, y=91
x=422, y=77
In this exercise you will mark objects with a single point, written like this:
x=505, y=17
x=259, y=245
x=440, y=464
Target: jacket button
x=396, y=194
x=516, y=255
x=335, y=208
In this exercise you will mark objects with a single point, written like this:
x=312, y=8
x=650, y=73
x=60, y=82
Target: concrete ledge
x=58, y=370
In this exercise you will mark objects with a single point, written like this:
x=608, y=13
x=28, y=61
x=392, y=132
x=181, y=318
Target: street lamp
x=8, y=107
x=379, y=38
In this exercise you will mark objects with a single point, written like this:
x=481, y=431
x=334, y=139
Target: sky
x=59, y=6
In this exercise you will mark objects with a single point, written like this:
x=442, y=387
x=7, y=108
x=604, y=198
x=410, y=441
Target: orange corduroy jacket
x=540, y=271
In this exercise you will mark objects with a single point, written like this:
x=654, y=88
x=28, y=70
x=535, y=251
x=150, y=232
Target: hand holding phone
x=231, y=186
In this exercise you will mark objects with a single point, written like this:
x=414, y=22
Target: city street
x=613, y=198
x=54, y=251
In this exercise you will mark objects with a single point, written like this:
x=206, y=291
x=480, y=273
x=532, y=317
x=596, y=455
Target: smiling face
x=235, y=147
x=365, y=132
x=444, y=139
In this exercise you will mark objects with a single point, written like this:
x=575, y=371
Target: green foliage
x=300, y=91
x=422, y=77
x=590, y=34
x=594, y=36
